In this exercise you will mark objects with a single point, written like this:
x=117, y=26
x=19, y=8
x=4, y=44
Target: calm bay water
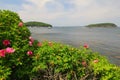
x=106, y=41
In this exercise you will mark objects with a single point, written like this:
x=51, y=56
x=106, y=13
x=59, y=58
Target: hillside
x=102, y=25
x=37, y=24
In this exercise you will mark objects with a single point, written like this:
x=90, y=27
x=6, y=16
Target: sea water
x=106, y=41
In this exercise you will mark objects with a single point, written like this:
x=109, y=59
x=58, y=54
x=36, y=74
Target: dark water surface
x=103, y=40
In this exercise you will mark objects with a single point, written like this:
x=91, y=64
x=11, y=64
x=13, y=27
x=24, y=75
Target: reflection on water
x=104, y=40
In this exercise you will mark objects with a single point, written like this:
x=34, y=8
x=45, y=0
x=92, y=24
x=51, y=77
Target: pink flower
x=20, y=24
x=10, y=50
x=96, y=61
x=86, y=45
x=2, y=53
x=6, y=42
x=31, y=39
x=39, y=44
x=84, y=63
x=50, y=43
x=30, y=43
x=29, y=53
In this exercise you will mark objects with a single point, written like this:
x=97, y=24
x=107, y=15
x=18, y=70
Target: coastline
x=105, y=25
x=112, y=55
x=103, y=46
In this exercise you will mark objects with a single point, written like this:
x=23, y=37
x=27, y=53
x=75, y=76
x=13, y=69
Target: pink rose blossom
x=30, y=43
x=84, y=63
x=2, y=53
x=50, y=43
x=31, y=39
x=6, y=42
x=86, y=45
x=29, y=53
x=39, y=44
x=20, y=24
x=10, y=50
x=96, y=61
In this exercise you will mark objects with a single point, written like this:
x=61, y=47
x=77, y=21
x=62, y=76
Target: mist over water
x=106, y=41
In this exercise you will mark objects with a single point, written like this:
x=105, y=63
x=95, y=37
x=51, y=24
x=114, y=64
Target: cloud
x=70, y=12
x=39, y=10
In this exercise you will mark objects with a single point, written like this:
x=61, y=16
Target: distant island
x=37, y=24
x=102, y=25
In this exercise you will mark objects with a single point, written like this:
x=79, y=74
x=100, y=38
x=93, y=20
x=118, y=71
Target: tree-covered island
x=102, y=25
x=37, y=24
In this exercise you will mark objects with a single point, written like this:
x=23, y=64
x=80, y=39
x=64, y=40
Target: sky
x=65, y=12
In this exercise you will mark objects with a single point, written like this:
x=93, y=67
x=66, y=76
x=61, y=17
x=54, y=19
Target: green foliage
x=8, y=18
x=9, y=28
x=57, y=61
x=105, y=70
x=37, y=24
x=102, y=25
x=4, y=72
x=18, y=37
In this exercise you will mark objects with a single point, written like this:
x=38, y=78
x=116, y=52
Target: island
x=102, y=25
x=37, y=24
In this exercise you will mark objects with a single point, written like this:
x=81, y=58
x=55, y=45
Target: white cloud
x=84, y=11
x=38, y=10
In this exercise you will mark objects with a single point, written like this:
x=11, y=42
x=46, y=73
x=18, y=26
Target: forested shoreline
x=37, y=24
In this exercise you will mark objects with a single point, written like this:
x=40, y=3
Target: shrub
x=14, y=44
x=4, y=72
x=54, y=61
x=10, y=29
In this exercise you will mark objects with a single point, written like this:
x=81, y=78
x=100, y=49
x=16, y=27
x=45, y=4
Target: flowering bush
x=23, y=58
x=59, y=61
x=14, y=47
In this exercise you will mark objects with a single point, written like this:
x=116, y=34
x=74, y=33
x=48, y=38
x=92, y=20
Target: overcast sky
x=65, y=12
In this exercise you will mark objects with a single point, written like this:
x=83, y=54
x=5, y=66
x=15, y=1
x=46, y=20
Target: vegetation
x=102, y=25
x=23, y=58
x=37, y=24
